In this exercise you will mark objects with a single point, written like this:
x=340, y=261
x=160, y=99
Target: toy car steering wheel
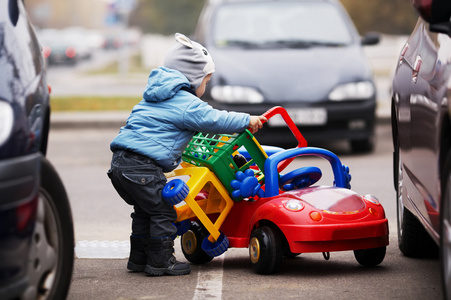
x=299, y=178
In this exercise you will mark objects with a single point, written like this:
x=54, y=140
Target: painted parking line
x=102, y=249
x=209, y=277
x=209, y=280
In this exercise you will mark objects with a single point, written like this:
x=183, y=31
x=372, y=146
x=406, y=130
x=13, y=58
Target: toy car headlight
x=236, y=94
x=6, y=121
x=293, y=205
x=372, y=199
x=352, y=91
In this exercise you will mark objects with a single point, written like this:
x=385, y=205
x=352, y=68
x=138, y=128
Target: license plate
x=305, y=116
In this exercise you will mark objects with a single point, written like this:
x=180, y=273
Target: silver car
x=421, y=126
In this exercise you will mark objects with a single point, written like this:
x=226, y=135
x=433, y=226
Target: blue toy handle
x=272, y=176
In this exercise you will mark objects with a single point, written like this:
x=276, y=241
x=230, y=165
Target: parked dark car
x=422, y=137
x=303, y=55
x=58, y=47
x=36, y=229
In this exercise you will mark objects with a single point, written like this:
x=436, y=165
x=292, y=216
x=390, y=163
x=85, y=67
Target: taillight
x=46, y=50
x=26, y=215
x=70, y=52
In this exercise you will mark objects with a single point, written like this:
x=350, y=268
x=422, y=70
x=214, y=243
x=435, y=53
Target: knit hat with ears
x=191, y=59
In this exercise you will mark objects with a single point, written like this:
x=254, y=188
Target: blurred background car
x=69, y=45
x=303, y=55
x=36, y=229
x=422, y=137
x=58, y=48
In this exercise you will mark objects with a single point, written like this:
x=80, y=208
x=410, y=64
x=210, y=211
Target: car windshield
x=296, y=25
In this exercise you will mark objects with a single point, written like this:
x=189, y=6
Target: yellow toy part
x=216, y=200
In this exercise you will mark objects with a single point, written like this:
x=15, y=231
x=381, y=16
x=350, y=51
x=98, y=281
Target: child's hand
x=256, y=122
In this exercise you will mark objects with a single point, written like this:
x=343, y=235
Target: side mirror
x=433, y=11
x=370, y=38
x=444, y=27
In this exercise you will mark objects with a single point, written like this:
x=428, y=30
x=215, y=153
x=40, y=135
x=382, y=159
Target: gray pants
x=139, y=181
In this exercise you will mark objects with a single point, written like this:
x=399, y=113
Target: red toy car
x=271, y=213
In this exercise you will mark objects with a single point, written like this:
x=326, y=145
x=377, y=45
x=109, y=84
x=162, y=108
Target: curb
x=117, y=119
x=82, y=120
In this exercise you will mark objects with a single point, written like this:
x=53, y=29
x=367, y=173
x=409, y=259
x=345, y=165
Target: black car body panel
x=291, y=75
x=22, y=82
x=294, y=74
x=22, y=87
x=24, y=127
x=19, y=188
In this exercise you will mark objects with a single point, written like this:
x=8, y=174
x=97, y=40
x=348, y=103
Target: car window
x=280, y=24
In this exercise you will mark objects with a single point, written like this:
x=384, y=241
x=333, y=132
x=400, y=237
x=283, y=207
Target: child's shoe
x=138, y=253
x=161, y=259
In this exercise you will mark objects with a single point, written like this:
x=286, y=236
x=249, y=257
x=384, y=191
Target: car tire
x=445, y=230
x=191, y=243
x=413, y=239
x=52, y=253
x=370, y=257
x=265, y=250
x=363, y=145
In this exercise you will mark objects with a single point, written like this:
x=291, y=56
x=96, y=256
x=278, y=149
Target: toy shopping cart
x=208, y=161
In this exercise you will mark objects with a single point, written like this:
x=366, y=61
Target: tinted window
x=279, y=22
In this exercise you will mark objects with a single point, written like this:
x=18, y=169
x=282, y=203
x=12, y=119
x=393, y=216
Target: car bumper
x=345, y=121
x=328, y=238
x=19, y=189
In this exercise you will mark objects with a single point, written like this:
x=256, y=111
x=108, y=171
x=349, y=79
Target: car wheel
x=413, y=239
x=191, y=243
x=445, y=231
x=52, y=252
x=370, y=257
x=265, y=250
x=363, y=146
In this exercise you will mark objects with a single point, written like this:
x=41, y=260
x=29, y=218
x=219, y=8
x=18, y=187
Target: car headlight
x=236, y=94
x=353, y=91
x=6, y=121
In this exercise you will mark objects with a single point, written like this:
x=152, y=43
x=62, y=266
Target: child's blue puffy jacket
x=163, y=122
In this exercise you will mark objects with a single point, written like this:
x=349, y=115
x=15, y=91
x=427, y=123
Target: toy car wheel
x=175, y=191
x=182, y=227
x=216, y=248
x=291, y=254
x=265, y=250
x=191, y=243
x=370, y=257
